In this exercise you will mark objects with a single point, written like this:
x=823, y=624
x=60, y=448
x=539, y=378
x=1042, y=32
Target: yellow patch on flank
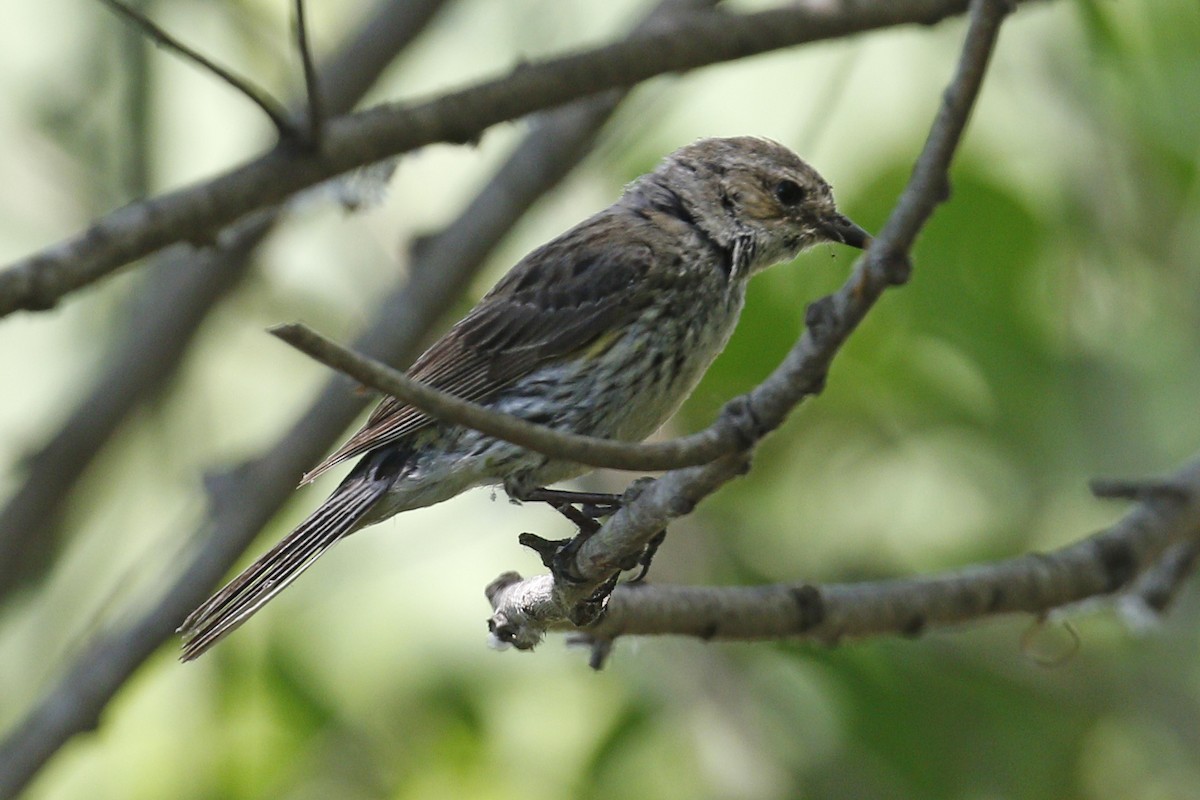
x=601, y=345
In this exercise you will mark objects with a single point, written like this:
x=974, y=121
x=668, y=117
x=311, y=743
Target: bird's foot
x=558, y=555
x=589, y=610
x=644, y=558
x=585, y=509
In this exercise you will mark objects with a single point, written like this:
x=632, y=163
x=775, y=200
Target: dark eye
x=790, y=193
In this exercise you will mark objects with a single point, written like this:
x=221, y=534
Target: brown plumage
x=558, y=299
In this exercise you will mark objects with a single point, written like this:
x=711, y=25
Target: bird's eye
x=790, y=193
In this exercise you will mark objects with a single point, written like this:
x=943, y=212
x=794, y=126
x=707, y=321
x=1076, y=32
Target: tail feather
x=238, y=600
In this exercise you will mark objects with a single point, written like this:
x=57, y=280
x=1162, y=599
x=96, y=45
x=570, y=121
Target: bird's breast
x=628, y=381
x=650, y=368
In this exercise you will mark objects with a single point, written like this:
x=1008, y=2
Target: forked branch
x=255, y=94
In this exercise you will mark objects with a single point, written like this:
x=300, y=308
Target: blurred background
x=1050, y=334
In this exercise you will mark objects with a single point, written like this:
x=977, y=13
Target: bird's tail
x=338, y=516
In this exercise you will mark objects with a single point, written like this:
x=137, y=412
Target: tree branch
x=524, y=610
x=700, y=448
x=197, y=213
x=314, y=113
x=1097, y=566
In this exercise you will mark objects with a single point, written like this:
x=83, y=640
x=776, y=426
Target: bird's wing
x=556, y=301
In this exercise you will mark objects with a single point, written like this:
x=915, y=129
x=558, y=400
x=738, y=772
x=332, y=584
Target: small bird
x=603, y=331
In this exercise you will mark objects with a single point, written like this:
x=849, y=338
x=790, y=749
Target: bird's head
x=761, y=192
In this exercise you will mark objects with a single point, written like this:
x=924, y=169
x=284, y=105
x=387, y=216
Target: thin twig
x=929, y=185
x=312, y=87
x=196, y=213
x=700, y=448
x=526, y=610
x=1125, y=489
x=257, y=95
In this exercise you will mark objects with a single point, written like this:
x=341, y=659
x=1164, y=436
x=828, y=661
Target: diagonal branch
x=720, y=439
x=197, y=213
x=1159, y=586
x=524, y=609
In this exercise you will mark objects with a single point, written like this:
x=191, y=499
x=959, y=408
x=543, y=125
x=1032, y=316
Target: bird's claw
x=646, y=556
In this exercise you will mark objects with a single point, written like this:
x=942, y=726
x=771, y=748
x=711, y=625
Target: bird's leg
x=558, y=555
x=591, y=504
x=586, y=523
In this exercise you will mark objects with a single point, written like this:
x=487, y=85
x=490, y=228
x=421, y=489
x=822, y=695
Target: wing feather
x=556, y=301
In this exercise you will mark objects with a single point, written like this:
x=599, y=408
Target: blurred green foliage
x=1050, y=333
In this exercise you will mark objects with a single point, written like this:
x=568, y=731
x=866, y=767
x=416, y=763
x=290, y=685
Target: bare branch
x=312, y=87
x=196, y=213
x=255, y=94
x=830, y=322
x=929, y=185
x=1097, y=566
x=1124, y=489
x=701, y=448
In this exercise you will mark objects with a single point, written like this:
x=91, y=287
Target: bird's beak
x=840, y=229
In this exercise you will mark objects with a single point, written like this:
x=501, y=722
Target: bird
x=604, y=331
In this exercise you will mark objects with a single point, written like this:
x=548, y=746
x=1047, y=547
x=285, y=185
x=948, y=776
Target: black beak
x=841, y=229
